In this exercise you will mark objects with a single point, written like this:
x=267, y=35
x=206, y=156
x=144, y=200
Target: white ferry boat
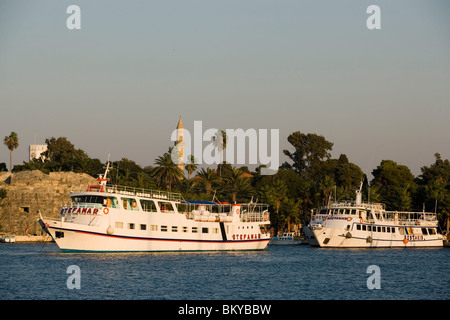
x=123, y=219
x=365, y=225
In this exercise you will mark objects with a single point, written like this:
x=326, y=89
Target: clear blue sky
x=120, y=83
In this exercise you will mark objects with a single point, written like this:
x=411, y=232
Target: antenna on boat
x=102, y=178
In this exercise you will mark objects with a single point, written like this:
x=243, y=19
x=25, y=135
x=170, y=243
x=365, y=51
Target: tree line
x=310, y=178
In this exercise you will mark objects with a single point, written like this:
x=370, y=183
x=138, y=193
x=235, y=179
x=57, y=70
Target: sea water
x=41, y=271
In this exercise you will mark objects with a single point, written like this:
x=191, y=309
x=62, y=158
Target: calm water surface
x=39, y=271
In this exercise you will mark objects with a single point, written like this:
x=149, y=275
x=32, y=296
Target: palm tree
x=220, y=141
x=238, y=182
x=275, y=194
x=167, y=172
x=207, y=178
x=191, y=166
x=11, y=142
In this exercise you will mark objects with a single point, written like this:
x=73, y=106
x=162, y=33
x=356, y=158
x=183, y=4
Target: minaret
x=180, y=135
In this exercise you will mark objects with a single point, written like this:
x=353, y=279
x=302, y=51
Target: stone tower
x=180, y=135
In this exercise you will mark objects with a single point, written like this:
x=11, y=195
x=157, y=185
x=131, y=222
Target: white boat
x=122, y=219
x=287, y=238
x=8, y=239
x=369, y=225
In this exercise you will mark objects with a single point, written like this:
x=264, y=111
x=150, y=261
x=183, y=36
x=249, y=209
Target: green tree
x=434, y=189
x=12, y=143
x=220, y=142
x=348, y=176
x=395, y=182
x=290, y=213
x=3, y=167
x=166, y=171
x=61, y=155
x=207, y=178
x=310, y=150
x=191, y=166
x=275, y=194
x=238, y=183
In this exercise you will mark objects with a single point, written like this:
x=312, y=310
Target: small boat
x=287, y=238
x=8, y=239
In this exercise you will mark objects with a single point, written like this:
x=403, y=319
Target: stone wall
x=29, y=192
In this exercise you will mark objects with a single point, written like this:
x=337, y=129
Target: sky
x=119, y=84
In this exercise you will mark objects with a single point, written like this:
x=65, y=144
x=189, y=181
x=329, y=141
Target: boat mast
x=102, y=178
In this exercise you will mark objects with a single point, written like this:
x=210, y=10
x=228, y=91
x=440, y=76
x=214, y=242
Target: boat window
x=148, y=205
x=119, y=225
x=424, y=231
x=204, y=230
x=194, y=229
x=364, y=227
x=353, y=212
x=111, y=202
x=166, y=206
x=143, y=227
x=383, y=229
x=182, y=207
x=131, y=226
x=174, y=229
x=358, y=227
x=153, y=227
x=88, y=199
x=164, y=228
x=431, y=231
x=129, y=204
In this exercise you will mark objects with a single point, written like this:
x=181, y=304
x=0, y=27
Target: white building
x=36, y=150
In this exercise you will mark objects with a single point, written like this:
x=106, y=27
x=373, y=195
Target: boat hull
x=310, y=237
x=82, y=239
x=335, y=238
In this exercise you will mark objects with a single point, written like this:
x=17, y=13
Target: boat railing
x=254, y=212
x=411, y=218
x=350, y=204
x=140, y=192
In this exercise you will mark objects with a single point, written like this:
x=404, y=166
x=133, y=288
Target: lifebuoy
x=105, y=210
x=349, y=219
x=361, y=220
x=134, y=204
x=405, y=241
x=237, y=210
